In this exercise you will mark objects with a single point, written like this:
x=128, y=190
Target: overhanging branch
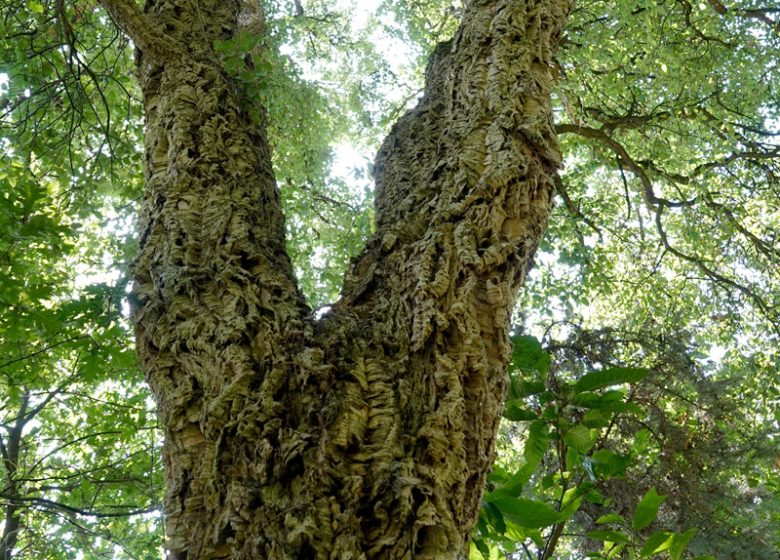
x=44, y=503
x=715, y=276
x=652, y=199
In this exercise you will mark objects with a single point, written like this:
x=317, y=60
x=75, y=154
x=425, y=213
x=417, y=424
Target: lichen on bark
x=367, y=433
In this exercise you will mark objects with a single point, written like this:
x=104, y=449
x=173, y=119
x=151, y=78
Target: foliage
x=623, y=462
x=79, y=440
x=79, y=437
x=646, y=358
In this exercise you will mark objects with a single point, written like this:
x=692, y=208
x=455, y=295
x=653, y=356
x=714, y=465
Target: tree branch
x=647, y=185
x=573, y=208
x=51, y=504
x=151, y=40
x=715, y=276
x=42, y=350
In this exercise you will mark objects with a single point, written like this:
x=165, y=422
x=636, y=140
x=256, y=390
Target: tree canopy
x=644, y=407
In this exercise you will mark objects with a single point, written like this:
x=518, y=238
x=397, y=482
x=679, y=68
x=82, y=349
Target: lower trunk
x=345, y=448
x=368, y=433
x=12, y=520
x=10, y=450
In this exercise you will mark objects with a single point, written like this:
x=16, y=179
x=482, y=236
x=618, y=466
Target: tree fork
x=366, y=433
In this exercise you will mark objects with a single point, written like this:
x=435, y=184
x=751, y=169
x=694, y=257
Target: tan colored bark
x=366, y=434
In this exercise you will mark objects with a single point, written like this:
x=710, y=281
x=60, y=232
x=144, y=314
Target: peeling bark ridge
x=366, y=434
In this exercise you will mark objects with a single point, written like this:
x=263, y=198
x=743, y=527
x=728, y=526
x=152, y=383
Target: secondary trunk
x=367, y=433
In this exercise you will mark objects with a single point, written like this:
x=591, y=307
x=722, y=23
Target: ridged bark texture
x=365, y=434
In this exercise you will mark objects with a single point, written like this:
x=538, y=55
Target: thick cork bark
x=365, y=434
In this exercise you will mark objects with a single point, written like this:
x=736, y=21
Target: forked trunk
x=367, y=433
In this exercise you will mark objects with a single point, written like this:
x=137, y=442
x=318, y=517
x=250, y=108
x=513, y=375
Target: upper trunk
x=367, y=433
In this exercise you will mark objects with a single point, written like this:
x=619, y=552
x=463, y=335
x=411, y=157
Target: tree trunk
x=367, y=433
x=10, y=448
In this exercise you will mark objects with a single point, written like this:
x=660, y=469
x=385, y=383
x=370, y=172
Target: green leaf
x=516, y=411
x=611, y=401
x=657, y=543
x=610, y=518
x=595, y=497
x=526, y=350
x=570, y=507
x=528, y=356
x=589, y=400
x=597, y=418
x=482, y=522
x=527, y=513
x=481, y=548
x=495, y=517
x=578, y=438
x=574, y=458
x=520, y=388
x=35, y=7
x=608, y=377
x=679, y=543
x=608, y=536
x=609, y=463
x=647, y=509
x=533, y=452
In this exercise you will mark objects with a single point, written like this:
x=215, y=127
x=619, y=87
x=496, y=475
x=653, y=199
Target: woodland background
x=646, y=340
